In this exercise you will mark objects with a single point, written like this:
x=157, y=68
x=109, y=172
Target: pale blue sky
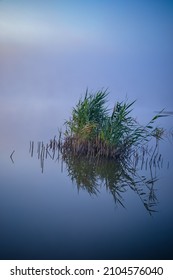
x=116, y=25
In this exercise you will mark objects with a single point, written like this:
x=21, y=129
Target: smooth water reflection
x=138, y=172
x=83, y=209
x=115, y=177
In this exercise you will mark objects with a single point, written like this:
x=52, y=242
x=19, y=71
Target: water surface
x=80, y=209
x=50, y=52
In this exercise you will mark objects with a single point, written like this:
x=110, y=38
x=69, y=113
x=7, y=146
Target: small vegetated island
x=102, y=146
x=95, y=131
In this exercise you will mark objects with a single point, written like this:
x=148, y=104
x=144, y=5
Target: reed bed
x=95, y=131
x=106, y=147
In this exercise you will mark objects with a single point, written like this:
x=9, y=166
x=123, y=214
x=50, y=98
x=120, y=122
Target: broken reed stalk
x=11, y=156
x=32, y=148
x=45, y=150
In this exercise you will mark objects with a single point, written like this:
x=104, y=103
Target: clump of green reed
x=88, y=116
x=93, y=130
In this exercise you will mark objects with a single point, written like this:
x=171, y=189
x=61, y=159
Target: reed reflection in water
x=139, y=173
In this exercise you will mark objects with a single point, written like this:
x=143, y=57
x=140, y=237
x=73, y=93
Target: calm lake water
x=50, y=52
x=80, y=209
